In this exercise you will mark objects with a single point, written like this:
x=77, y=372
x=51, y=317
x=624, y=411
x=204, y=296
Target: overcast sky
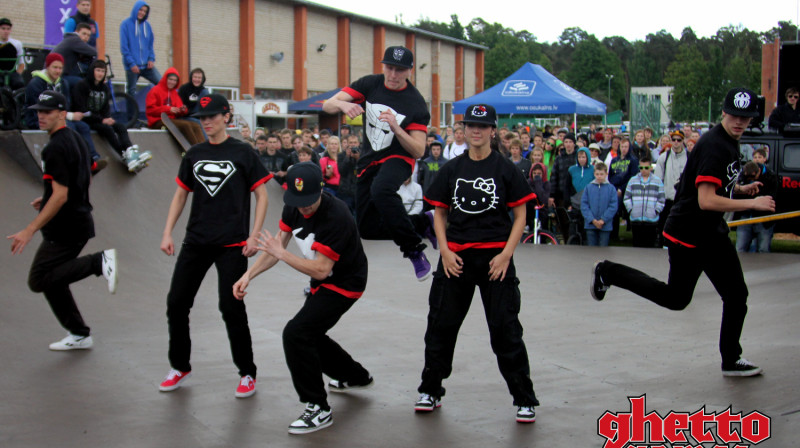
x=630, y=19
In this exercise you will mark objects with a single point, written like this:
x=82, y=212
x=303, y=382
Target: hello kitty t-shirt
x=479, y=194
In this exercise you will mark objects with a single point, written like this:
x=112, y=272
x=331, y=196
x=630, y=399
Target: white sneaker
x=72, y=342
x=110, y=269
x=144, y=156
x=313, y=419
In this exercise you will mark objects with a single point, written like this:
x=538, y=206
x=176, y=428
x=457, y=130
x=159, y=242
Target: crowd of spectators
x=558, y=164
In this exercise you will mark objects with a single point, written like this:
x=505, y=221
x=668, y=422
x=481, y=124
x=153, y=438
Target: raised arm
x=342, y=102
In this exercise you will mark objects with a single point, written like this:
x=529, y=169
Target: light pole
x=609, y=77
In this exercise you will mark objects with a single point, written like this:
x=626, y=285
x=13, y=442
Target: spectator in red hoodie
x=164, y=98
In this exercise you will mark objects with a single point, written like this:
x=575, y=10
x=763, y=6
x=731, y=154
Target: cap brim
x=42, y=107
x=738, y=113
x=295, y=200
x=388, y=62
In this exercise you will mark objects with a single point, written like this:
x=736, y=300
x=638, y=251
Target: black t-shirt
x=332, y=232
x=411, y=112
x=715, y=160
x=65, y=159
x=479, y=196
x=221, y=178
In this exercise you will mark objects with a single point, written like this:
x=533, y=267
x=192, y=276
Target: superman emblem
x=213, y=175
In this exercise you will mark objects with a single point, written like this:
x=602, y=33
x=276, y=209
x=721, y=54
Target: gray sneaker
x=313, y=419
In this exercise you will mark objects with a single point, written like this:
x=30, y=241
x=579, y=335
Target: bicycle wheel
x=19, y=99
x=9, y=115
x=575, y=240
x=547, y=238
x=125, y=110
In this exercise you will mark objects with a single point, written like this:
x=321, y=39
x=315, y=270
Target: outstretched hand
x=751, y=189
x=270, y=244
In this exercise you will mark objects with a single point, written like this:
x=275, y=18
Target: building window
x=446, y=113
x=273, y=94
x=791, y=157
x=231, y=93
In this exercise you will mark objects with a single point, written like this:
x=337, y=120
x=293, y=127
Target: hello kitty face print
x=475, y=196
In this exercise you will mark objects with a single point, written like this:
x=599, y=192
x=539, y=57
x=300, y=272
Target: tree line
x=697, y=68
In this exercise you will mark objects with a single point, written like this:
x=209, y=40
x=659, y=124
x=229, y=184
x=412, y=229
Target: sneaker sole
x=526, y=420
x=246, y=394
x=299, y=431
x=66, y=349
x=112, y=283
x=424, y=277
x=591, y=283
x=349, y=388
x=741, y=373
x=176, y=386
x=427, y=409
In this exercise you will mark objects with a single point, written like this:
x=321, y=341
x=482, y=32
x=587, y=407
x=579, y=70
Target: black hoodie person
x=91, y=96
x=191, y=92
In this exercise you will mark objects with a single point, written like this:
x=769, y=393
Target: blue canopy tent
x=532, y=90
x=313, y=104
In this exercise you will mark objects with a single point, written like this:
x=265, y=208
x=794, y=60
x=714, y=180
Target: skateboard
x=175, y=132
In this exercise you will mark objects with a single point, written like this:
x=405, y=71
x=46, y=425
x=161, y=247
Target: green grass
x=778, y=245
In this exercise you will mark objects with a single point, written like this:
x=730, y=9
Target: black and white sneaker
x=742, y=367
x=109, y=265
x=596, y=286
x=313, y=419
x=344, y=386
x=427, y=403
x=526, y=414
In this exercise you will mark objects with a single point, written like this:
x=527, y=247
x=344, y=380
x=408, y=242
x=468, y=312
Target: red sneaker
x=247, y=387
x=173, y=380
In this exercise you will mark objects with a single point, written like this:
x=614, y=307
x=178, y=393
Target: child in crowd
x=515, y=154
x=580, y=175
x=757, y=171
x=644, y=199
x=598, y=206
x=330, y=166
x=541, y=187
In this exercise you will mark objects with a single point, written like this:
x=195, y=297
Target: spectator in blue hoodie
x=579, y=176
x=136, y=45
x=598, y=206
x=620, y=171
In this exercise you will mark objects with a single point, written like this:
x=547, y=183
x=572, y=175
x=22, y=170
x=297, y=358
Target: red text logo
x=637, y=429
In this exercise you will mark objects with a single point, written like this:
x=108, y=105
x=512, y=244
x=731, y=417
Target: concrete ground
x=586, y=357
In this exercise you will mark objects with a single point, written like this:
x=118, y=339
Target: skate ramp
x=586, y=357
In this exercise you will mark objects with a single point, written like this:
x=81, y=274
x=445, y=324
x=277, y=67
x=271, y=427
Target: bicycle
x=537, y=234
x=9, y=110
x=124, y=108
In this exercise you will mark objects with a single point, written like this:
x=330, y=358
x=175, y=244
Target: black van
x=783, y=159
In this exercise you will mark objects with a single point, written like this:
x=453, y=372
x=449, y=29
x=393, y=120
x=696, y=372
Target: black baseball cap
x=741, y=102
x=5, y=21
x=399, y=56
x=212, y=104
x=436, y=143
x=480, y=114
x=303, y=184
x=50, y=100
